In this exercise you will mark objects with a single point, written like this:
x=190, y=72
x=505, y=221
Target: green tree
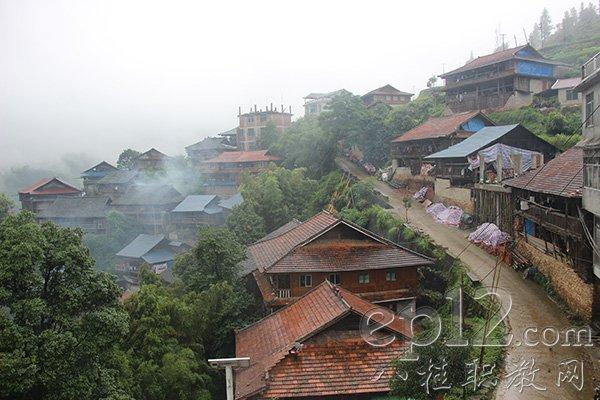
x=268, y=136
x=61, y=324
x=246, y=224
x=6, y=205
x=215, y=258
x=127, y=158
x=545, y=26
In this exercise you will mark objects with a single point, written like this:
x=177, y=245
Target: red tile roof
x=38, y=188
x=270, y=340
x=488, y=59
x=243, y=156
x=436, y=127
x=561, y=176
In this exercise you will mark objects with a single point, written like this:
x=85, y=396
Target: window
x=305, y=280
x=335, y=279
x=589, y=109
x=250, y=132
x=390, y=276
x=363, y=278
x=571, y=95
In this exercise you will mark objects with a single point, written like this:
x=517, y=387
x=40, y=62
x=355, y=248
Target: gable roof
x=475, y=142
x=387, y=89
x=39, y=187
x=499, y=56
x=436, y=127
x=149, y=195
x=568, y=83
x=269, y=340
x=242, y=156
x=281, y=230
x=317, y=96
x=561, y=176
x=210, y=143
x=289, y=251
x=198, y=203
x=77, y=207
x=141, y=245
x=99, y=170
x=153, y=154
x=232, y=201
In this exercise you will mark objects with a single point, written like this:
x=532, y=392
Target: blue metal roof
x=195, y=203
x=158, y=255
x=233, y=201
x=474, y=143
x=141, y=245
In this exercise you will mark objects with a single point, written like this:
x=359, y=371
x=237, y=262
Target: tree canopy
x=127, y=158
x=6, y=205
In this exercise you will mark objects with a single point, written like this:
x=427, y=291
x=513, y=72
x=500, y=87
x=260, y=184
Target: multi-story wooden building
x=151, y=160
x=294, y=259
x=44, y=192
x=88, y=213
x=93, y=175
x=590, y=93
x=435, y=134
x=504, y=79
x=253, y=123
x=196, y=210
x=387, y=95
x=315, y=349
x=115, y=183
x=222, y=175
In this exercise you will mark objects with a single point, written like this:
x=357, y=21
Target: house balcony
x=283, y=293
x=554, y=220
x=479, y=78
x=591, y=66
x=473, y=101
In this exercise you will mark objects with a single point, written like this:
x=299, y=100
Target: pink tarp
x=445, y=215
x=489, y=234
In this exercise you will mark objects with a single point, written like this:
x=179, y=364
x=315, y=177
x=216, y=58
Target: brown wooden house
x=314, y=349
x=151, y=160
x=287, y=265
x=435, y=134
x=93, y=175
x=88, y=213
x=386, y=95
x=44, y=192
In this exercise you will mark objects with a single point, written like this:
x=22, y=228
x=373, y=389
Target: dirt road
x=531, y=308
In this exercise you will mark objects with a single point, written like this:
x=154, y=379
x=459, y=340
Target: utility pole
x=229, y=364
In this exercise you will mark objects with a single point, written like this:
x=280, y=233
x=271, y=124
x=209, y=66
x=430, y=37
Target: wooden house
x=44, y=192
x=230, y=202
x=314, y=349
x=197, y=210
x=149, y=205
x=453, y=163
x=386, y=95
x=151, y=160
x=207, y=148
x=505, y=79
x=289, y=262
x=435, y=134
x=115, y=183
x=88, y=213
x=93, y=175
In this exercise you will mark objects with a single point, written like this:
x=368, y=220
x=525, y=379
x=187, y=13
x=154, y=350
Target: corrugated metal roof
x=149, y=195
x=567, y=83
x=231, y=202
x=119, y=176
x=159, y=255
x=141, y=245
x=475, y=142
x=195, y=203
x=77, y=207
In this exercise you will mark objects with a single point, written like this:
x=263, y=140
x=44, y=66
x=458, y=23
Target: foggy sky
x=95, y=77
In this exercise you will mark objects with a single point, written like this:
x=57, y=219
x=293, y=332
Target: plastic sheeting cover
x=490, y=154
x=445, y=215
x=489, y=234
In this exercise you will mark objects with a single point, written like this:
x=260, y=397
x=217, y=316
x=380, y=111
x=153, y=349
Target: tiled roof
x=568, y=83
x=561, y=176
x=387, y=89
x=437, y=127
x=39, y=187
x=281, y=230
x=209, y=143
x=334, y=368
x=346, y=255
x=153, y=154
x=77, y=207
x=269, y=340
x=149, y=195
x=99, y=170
x=475, y=142
x=243, y=156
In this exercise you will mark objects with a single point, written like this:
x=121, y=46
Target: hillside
x=575, y=53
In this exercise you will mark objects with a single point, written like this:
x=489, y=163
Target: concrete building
x=590, y=94
x=316, y=103
x=504, y=79
x=252, y=125
x=565, y=93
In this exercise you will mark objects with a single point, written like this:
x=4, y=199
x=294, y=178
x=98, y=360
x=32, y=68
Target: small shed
x=197, y=210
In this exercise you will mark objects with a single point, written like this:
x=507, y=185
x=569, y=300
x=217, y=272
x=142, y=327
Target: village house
x=386, y=95
x=154, y=250
x=93, y=175
x=435, y=134
x=149, y=205
x=313, y=349
x=195, y=210
x=299, y=256
x=253, y=123
x=44, y=192
x=590, y=94
x=455, y=168
x=316, y=103
x=115, y=183
x=222, y=174
x=87, y=212
x=553, y=231
x=151, y=160
x=207, y=148
x=505, y=79
x=565, y=95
